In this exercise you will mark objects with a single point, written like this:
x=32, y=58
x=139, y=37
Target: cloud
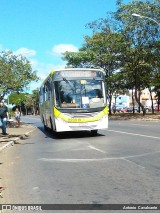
x=57, y=50
x=43, y=70
x=25, y=52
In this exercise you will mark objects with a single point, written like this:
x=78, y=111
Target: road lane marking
x=134, y=134
x=94, y=148
x=142, y=155
x=153, y=124
x=142, y=167
x=78, y=160
x=70, y=160
x=75, y=160
x=119, y=123
x=36, y=188
x=80, y=149
x=139, y=125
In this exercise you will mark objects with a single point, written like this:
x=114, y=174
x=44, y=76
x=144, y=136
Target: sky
x=42, y=30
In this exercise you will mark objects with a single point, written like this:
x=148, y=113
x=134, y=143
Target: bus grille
x=76, y=128
x=82, y=115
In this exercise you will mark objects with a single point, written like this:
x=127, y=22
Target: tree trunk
x=137, y=97
x=110, y=100
x=133, y=103
x=33, y=109
x=151, y=100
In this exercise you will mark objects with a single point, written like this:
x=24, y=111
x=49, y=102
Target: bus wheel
x=94, y=132
x=51, y=124
x=45, y=127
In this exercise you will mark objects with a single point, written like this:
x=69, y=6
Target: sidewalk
x=15, y=134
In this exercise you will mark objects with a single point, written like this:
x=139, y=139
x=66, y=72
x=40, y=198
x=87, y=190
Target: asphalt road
x=118, y=166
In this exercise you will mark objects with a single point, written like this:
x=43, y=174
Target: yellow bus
x=74, y=99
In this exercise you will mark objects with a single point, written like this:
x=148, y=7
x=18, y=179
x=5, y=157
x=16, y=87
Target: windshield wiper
x=68, y=82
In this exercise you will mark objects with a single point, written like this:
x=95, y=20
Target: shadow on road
x=66, y=135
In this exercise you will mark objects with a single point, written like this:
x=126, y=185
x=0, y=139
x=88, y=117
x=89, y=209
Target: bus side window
x=41, y=95
x=47, y=91
x=44, y=93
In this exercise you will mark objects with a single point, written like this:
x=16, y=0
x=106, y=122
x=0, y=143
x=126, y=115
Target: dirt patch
x=135, y=116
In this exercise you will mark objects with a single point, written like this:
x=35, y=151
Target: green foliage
x=125, y=46
x=25, y=101
x=78, y=59
x=17, y=98
x=15, y=73
x=142, y=56
x=32, y=101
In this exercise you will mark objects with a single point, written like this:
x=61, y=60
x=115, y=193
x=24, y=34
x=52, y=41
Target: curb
x=12, y=142
x=7, y=145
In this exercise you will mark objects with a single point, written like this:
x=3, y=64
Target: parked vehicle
x=156, y=108
x=119, y=108
x=124, y=109
x=148, y=108
x=136, y=109
x=130, y=109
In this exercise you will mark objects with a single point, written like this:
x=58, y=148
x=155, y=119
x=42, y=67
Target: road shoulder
x=15, y=134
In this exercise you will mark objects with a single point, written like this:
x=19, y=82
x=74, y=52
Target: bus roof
x=72, y=69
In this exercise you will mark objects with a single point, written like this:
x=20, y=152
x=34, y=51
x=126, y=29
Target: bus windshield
x=86, y=93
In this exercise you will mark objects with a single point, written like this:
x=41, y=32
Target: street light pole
x=140, y=16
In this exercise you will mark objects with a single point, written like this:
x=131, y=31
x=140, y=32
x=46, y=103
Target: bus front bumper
x=62, y=126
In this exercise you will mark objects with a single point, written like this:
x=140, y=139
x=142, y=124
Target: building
x=145, y=98
x=121, y=100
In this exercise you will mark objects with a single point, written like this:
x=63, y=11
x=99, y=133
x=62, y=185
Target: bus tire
x=94, y=132
x=51, y=124
x=45, y=127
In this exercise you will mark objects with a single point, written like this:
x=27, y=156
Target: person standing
x=17, y=117
x=4, y=115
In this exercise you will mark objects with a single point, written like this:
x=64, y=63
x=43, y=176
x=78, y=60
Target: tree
x=144, y=37
x=104, y=50
x=124, y=44
x=17, y=98
x=32, y=102
x=15, y=73
x=78, y=59
x=35, y=100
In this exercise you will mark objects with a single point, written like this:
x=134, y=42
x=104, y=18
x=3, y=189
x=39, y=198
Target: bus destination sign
x=77, y=74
